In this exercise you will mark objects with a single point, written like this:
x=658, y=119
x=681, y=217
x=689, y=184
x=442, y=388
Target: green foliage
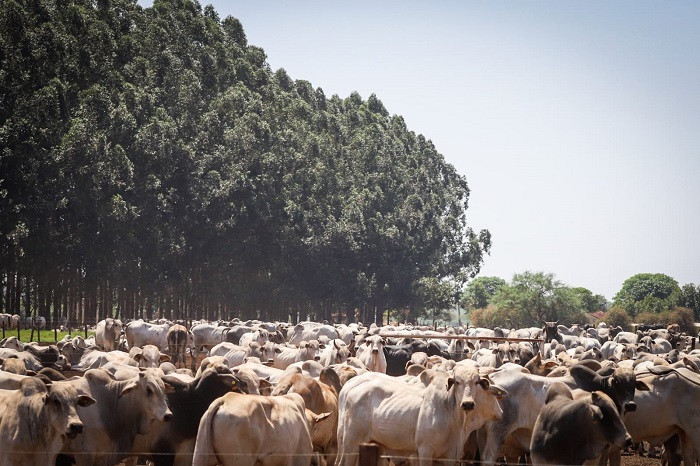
x=533, y=298
x=591, y=303
x=690, y=298
x=151, y=161
x=646, y=292
x=479, y=292
x=618, y=316
x=435, y=297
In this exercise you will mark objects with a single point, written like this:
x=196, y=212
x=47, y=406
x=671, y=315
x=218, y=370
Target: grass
x=44, y=336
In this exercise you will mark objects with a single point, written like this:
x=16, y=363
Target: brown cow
x=320, y=397
x=178, y=339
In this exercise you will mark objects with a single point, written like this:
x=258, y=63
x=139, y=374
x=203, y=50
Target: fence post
x=31, y=335
x=86, y=326
x=369, y=454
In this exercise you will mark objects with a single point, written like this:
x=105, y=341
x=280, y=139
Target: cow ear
x=596, y=413
x=129, y=388
x=497, y=391
x=551, y=365
x=164, y=358
x=641, y=386
x=320, y=417
x=321, y=346
x=450, y=383
x=265, y=383
x=85, y=400
x=169, y=388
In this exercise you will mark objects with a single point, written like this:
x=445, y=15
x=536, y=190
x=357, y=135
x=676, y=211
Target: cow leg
x=689, y=454
x=614, y=456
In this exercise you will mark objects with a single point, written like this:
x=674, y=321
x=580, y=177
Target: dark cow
x=172, y=442
x=573, y=431
x=619, y=384
x=510, y=435
x=397, y=356
x=47, y=355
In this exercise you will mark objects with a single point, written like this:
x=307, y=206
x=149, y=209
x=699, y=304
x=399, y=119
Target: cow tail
x=204, y=452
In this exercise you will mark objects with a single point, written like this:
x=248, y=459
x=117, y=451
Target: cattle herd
x=269, y=393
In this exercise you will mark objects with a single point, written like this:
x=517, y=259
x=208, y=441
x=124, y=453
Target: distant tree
x=436, y=298
x=478, y=292
x=533, y=298
x=591, y=303
x=690, y=298
x=488, y=317
x=647, y=292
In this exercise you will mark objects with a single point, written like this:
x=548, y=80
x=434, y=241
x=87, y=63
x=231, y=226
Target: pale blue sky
x=576, y=124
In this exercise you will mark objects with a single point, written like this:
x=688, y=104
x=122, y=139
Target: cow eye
x=149, y=391
x=57, y=404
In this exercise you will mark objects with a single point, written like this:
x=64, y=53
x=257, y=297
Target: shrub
x=618, y=316
x=651, y=318
x=683, y=317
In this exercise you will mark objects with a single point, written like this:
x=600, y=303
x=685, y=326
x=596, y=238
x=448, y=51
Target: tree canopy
x=152, y=164
x=648, y=292
x=530, y=299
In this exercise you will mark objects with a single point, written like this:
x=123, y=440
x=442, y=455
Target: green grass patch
x=44, y=336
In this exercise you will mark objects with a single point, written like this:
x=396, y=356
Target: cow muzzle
x=467, y=405
x=168, y=416
x=630, y=407
x=74, y=428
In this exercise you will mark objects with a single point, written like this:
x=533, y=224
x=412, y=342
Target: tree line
x=153, y=165
x=532, y=298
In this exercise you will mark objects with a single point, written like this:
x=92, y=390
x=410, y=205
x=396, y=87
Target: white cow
x=430, y=419
x=206, y=336
x=371, y=353
x=35, y=419
x=148, y=356
x=107, y=333
x=307, y=331
x=123, y=409
x=140, y=333
x=284, y=356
